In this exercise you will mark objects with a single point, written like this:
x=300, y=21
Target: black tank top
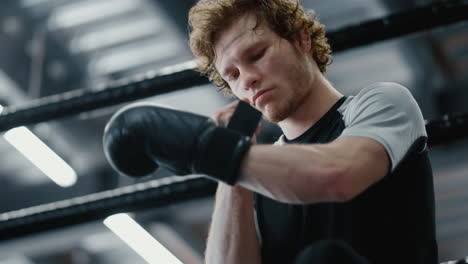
x=391, y=222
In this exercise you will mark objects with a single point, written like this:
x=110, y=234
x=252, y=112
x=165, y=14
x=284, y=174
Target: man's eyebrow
x=249, y=48
x=244, y=50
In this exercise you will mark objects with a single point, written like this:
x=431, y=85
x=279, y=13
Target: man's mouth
x=258, y=94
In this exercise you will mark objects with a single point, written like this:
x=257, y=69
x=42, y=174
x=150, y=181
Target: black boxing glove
x=141, y=137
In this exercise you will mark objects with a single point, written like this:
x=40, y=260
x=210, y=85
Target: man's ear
x=304, y=40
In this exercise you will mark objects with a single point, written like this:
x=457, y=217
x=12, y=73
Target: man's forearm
x=312, y=173
x=232, y=237
x=290, y=173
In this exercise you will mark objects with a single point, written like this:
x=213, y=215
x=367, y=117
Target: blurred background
x=53, y=46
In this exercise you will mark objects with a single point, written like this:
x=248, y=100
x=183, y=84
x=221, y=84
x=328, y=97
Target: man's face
x=270, y=73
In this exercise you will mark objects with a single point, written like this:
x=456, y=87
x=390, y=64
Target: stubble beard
x=299, y=94
x=289, y=107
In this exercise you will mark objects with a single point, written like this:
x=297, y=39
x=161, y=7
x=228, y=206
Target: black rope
x=75, y=102
x=437, y=14
x=78, y=101
x=447, y=129
x=151, y=194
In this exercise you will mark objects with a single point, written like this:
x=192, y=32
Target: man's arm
x=382, y=122
x=309, y=173
x=232, y=237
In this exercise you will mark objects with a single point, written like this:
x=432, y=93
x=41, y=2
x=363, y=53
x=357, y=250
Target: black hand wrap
x=220, y=154
x=244, y=121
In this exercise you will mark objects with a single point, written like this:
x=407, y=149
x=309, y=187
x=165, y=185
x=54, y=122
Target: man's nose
x=250, y=83
x=251, y=80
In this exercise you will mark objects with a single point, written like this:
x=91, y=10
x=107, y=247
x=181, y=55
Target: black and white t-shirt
x=390, y=222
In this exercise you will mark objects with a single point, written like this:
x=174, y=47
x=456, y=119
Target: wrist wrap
x=220, y=154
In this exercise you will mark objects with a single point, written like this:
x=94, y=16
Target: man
x=349, y=180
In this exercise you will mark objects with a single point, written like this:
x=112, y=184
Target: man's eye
x=258, y=55
x=234, y=76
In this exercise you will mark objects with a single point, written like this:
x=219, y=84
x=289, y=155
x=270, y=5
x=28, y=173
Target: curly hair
x=285, y=17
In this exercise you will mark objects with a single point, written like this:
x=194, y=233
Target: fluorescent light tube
x=139, y=239
x=41, y=156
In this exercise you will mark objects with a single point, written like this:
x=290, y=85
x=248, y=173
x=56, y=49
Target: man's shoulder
x=387, y=113
x=381, y=94
x=388, y=90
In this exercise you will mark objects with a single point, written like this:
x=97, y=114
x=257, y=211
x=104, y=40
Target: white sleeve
x=387, y=113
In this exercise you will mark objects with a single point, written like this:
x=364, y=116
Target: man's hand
x=223, y=116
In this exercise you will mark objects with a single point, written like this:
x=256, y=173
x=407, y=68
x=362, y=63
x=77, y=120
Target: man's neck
x=321, y=98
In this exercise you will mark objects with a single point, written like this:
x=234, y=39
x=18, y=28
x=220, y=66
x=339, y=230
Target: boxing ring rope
x=413, y=20
x=151, y=194
x=75, y=102
x=159, y=193
x=182, y=77
x=447, y=129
